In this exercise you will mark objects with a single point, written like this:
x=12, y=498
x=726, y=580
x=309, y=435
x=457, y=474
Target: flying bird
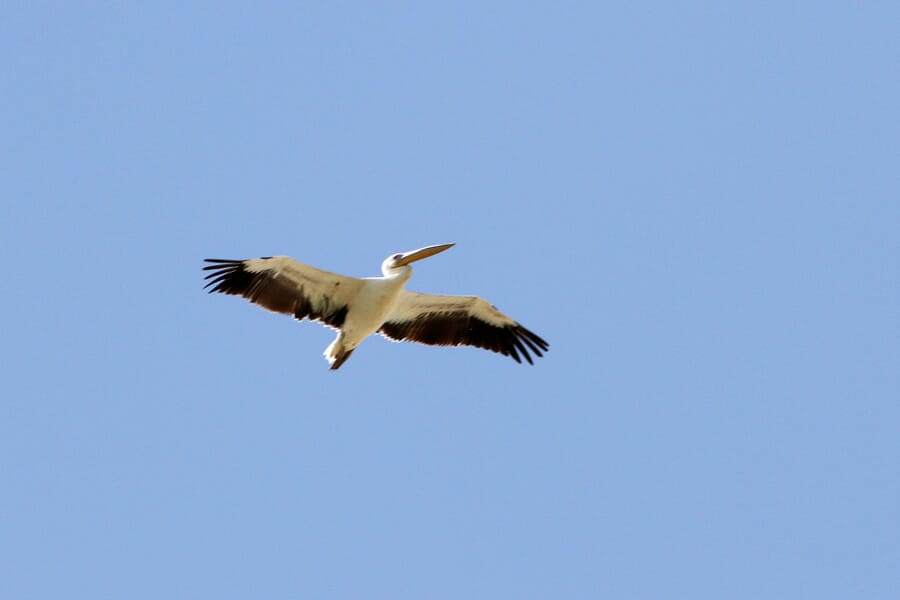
x=357, y=308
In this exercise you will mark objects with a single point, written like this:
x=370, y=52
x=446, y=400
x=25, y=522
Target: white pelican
x=358, y=308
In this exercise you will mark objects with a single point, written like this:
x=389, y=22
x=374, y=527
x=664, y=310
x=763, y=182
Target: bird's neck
x=398, y=273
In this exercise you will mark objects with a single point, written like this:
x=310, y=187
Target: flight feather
x=459, y=320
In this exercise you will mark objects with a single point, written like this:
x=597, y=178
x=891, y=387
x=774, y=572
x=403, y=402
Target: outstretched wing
x=459, y=320
x=283, y=285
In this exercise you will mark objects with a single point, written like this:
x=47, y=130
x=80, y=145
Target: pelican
x=357, y=308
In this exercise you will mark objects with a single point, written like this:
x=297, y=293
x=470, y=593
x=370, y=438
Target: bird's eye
x=397, y=256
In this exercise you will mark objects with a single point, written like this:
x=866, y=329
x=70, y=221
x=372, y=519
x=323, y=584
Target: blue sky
x=696, y=205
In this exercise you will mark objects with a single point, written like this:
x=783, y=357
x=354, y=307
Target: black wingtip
x=225, y=275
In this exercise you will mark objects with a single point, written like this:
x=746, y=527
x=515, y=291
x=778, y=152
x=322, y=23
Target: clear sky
x=696, y=205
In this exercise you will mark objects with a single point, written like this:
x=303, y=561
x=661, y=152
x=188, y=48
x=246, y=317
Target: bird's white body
x=373, y=301
x=359, y=307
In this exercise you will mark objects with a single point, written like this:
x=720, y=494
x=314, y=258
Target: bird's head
x=398, y=263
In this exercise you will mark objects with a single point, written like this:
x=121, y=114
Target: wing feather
x=283, y=285
x=460, y=320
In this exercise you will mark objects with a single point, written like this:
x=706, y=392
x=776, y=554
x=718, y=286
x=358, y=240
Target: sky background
x=696, y=205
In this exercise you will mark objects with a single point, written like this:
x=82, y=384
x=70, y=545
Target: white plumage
x=358, y=307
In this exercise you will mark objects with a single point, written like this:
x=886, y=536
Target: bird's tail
x=336, y=353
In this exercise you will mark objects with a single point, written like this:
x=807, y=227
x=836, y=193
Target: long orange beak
x=421, y=253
